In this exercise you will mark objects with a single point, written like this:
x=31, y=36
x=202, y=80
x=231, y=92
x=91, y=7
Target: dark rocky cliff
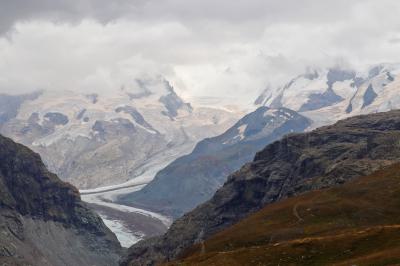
x=301, y=162
x=42, y=219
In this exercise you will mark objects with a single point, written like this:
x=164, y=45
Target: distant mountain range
x=328, y=95
x=93, y=140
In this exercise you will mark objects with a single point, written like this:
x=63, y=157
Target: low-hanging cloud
x=225, y=49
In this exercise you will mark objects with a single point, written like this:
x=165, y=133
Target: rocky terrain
x=42, y=219
x=194, y=178
x=298, y=163
x=354, y=224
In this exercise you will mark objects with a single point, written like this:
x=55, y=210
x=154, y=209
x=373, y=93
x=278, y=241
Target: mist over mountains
x=199, y=133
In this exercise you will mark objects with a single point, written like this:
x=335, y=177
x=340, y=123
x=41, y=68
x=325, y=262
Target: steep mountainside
x=42, y=219
x=298, y=163
x=93, y=140
x=194, y=178
x=354, y=224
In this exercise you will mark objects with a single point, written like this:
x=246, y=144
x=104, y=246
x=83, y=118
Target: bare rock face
x=42, y=219
x=297, y=163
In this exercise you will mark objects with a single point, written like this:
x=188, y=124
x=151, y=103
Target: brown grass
x=354, y=224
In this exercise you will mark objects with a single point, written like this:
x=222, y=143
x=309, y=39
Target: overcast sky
x=206, y=48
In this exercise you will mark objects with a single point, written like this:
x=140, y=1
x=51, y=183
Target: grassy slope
x=354, y=224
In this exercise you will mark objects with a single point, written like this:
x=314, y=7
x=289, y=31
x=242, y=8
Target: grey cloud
x=241, y=10
x=185, y=11
x=394, y=40
x=12, y=11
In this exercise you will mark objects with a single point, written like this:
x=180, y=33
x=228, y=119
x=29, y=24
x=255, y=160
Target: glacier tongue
x=124, y=235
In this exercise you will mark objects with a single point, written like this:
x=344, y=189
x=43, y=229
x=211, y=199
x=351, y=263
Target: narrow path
x=296, y=213
x=338, y=237
x=366, y=231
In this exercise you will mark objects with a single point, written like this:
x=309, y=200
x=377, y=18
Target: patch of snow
x=344, y=88
x=298, y=93
x=287, y=114
x=241, y=130
x=125, y=236
x=270, y=112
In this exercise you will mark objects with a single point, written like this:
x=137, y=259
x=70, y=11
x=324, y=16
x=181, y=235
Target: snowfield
x=125, y=236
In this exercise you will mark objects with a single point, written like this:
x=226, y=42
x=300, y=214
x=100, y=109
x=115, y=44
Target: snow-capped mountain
x=312, y=90
x=327, y=95
x=98, y=139
x=194, y=178
x=379, y=93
